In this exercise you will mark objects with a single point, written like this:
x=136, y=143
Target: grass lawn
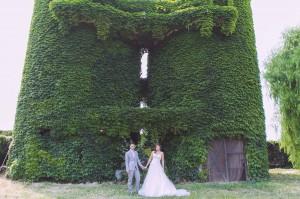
x=284, y=183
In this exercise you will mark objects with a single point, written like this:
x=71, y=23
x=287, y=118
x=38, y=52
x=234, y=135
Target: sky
x=271, y=19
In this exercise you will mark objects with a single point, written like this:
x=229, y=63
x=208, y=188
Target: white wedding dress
x=157, y=184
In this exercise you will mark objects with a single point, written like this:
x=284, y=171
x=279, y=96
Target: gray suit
x=132, y=162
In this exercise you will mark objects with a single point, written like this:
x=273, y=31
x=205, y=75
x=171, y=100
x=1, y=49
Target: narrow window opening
x=144, y=63
x=143, y=103
x=144, y=77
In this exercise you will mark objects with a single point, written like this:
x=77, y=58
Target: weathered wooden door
x=226, y=161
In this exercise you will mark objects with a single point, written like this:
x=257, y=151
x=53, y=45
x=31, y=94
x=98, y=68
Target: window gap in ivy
x=144, y=77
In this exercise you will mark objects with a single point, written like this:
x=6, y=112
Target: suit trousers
x=136, y=174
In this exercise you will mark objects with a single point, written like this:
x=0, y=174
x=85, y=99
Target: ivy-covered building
x=81, y=90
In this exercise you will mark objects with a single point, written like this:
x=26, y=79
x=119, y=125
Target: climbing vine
x=150, y=22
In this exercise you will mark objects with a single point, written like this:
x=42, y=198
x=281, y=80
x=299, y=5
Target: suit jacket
x=132, y=161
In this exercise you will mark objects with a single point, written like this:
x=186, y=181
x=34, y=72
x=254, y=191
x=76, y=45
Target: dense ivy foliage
x=80, y=95
x=137, y=20
x=283, y=76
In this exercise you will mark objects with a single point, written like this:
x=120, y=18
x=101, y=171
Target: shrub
x=7, y=133
x=277, y=157
x=4, y=145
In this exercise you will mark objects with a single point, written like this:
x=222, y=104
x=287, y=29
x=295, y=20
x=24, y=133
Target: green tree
x=283, y=75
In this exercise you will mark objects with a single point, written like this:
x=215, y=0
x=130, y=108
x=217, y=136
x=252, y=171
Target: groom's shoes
x=131, y=193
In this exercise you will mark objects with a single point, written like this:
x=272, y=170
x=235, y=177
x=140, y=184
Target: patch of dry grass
x=18, y=190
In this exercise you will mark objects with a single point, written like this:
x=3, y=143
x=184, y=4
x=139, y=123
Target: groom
x=132, y=162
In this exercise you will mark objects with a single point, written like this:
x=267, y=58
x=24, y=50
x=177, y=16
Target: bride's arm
x=149, y=159
x=163, y=160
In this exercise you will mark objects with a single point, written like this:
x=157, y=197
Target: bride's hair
x=156, y=146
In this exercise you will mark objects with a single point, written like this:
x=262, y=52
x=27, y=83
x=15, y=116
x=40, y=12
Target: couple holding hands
x=156, y=183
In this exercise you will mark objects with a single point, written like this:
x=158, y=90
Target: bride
x=156, y=183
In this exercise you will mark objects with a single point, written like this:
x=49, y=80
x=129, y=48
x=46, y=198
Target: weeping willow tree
x=283, y=74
